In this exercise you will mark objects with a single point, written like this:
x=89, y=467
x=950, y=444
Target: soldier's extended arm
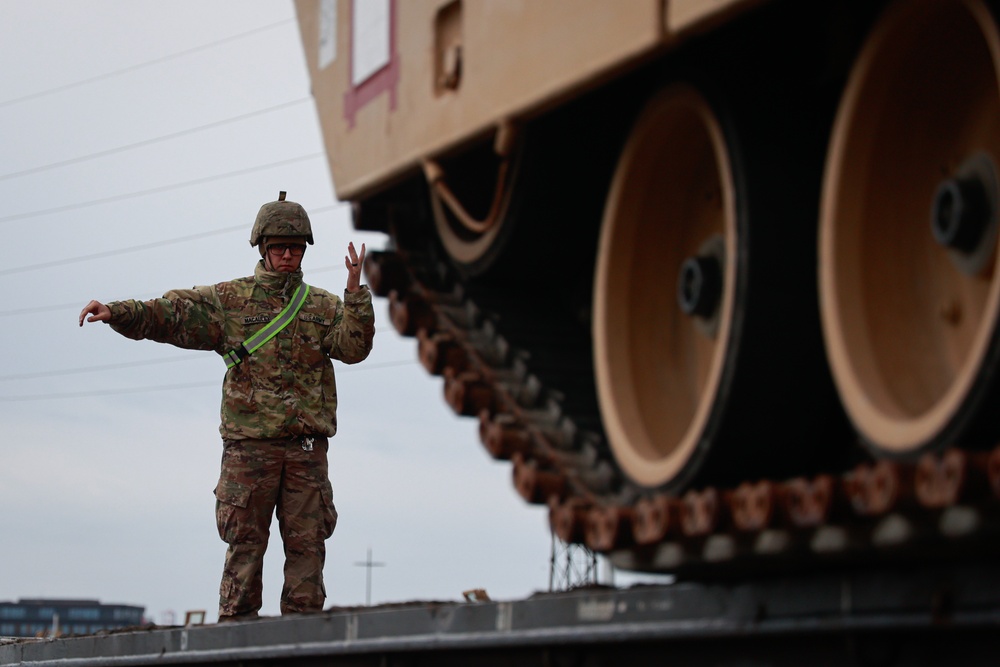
x=191, y=319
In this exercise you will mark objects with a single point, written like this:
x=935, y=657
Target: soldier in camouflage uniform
x=279, y=404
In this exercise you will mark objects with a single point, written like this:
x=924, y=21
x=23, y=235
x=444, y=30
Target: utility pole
x=369, y=564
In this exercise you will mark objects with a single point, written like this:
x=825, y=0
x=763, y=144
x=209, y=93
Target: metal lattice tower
x=571, y=566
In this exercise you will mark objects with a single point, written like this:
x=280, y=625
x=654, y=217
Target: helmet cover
x=281, y=218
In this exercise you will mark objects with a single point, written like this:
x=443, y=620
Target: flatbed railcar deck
x=914, y=615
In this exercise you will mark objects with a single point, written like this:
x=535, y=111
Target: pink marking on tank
x=384, y=79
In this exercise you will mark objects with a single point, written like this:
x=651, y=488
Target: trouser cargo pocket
x=329, y=510
x=231, y=516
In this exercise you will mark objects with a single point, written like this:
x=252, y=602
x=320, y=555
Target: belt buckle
x=307, y=444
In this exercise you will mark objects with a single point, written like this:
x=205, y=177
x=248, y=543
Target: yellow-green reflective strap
x=254, y=342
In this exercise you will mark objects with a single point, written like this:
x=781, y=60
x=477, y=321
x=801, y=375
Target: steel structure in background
x=571, y=566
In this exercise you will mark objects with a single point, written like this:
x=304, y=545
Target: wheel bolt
x=960, y=213
x=699, y=286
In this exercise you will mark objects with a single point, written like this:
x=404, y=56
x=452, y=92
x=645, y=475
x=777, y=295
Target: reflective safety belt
x=254, y=342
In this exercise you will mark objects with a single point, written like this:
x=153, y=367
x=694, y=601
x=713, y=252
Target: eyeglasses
x=278, y=249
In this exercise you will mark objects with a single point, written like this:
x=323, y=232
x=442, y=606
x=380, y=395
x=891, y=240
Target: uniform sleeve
x=353, y=328
x=191, y=319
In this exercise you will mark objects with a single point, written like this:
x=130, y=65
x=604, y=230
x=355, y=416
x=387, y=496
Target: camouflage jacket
x=287, y=387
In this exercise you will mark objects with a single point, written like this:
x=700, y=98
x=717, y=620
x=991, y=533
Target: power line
x=137, y=248
x=66, y=306
x=100, y=368
x=77, y=304
x=120, y=251
x=148, y=142
x=147, y=63
x=171, y=387
x=140, y=193
x=105, y=392
x=39, y=309
x=96, y=369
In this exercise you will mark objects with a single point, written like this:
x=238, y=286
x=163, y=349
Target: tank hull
x=518, y=59
x=718, y=278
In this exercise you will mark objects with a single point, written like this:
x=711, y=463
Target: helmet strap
x=264, y=254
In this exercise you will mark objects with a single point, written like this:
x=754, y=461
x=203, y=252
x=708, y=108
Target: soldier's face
x=284, y=253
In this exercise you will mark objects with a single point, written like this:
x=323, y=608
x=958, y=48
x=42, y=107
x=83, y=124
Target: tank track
x=528, y=377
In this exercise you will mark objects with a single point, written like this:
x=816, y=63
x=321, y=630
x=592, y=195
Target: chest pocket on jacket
x=311, y=330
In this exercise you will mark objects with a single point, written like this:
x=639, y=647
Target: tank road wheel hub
x=909, y=289
x=664, y=287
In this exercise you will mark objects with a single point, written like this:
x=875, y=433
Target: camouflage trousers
x=259, y=477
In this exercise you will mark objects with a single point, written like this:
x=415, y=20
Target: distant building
x=33, y=618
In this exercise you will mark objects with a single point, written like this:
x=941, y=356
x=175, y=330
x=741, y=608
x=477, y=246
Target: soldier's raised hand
x=354, y=263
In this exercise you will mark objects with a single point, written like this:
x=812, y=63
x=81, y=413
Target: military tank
x=719, y=278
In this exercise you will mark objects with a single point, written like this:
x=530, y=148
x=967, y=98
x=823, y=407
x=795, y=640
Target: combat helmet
x=281, y=218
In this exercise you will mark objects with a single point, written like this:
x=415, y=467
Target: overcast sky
x=151, y=132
